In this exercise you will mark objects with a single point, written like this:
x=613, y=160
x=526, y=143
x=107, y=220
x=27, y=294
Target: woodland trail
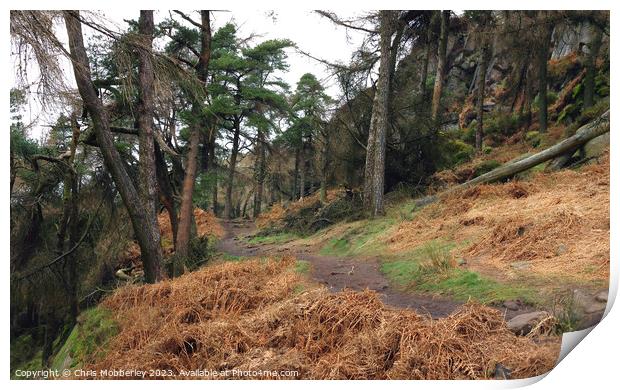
x=338, y=273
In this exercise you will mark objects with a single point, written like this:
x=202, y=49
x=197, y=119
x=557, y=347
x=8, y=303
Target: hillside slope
x=260, y=319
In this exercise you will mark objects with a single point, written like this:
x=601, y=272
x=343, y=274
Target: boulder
x=596, y=146
x=512, y=305
x=587, y=303
x=522, y=324
x=602, y=296
x=501, y=372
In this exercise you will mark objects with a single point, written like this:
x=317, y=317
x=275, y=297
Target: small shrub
x=551, y=98
x=534, y=138
x=502, y=124
x=569, y=113
x=469, y=133
x=601, y=83
x=566, y=312
x=438, y=260
x=486, y=166
x=460, y=151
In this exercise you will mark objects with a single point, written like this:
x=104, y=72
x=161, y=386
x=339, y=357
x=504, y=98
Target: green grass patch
x=464, y=285
x=279, y=238
x=302, y=267
x=298, y=289
x=430, y=268
x=361, y=239
x=228, y=257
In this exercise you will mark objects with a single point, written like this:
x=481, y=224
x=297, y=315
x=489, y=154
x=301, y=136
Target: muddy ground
x=338, y=273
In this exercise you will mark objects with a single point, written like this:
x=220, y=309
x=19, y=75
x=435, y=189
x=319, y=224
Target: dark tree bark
x=149, y=246
x=166, y=195
x=187, y=194
x=260, y=172
x=441, y=65
x=594, y=48
x=295, y=176
x=482, y=72
x=427, y=56
x=228, y=209
x=324, y=163
x=527, y=99
x=146, y=141
x=212, y=168
x=302, y=170
x=543, y=57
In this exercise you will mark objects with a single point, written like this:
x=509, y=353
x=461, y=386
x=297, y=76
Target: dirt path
x=338, y=273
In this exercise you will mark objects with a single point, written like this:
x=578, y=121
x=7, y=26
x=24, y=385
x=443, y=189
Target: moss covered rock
x=88, y=339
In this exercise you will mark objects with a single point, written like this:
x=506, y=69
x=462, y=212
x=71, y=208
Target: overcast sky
x=311, y=32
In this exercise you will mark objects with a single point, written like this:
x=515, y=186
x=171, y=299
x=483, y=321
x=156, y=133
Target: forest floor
x=538, y=242
x=338, y=272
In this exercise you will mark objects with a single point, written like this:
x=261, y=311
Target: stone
x=595, y=307
x=601, y=297
x=587, y=303
x=511, y=305
x=501, y=372
x=522, y=324
x=596, y=146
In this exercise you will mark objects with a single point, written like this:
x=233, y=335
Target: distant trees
x=482, y=27
x=545, y=31
x=309, y=123
x=590, y=64
x=440, y=74
x=243, y=92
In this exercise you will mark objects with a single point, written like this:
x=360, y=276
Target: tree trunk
x=185, y=217
x=295, y=175
x=324, y=166
x=302, y=171
x=543, y=57
x=187, y=204
x=70, y=221
x=588, y=87
x=482, y=67
x=592, y=130
x=259, y=172
x=527, y=99
x=149, y=246
x=427, y=56
x=383, y=92
x=146, y=142
x=228, y=210
x=213, y=168
x=166, y=197
x=371, y=146
x=441, y=66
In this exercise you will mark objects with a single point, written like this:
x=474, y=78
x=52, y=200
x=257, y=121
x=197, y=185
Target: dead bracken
x=250, y=315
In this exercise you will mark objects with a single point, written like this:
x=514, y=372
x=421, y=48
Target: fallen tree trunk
x=591, y=130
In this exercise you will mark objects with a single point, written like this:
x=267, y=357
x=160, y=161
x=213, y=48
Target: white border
x=592, y=364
